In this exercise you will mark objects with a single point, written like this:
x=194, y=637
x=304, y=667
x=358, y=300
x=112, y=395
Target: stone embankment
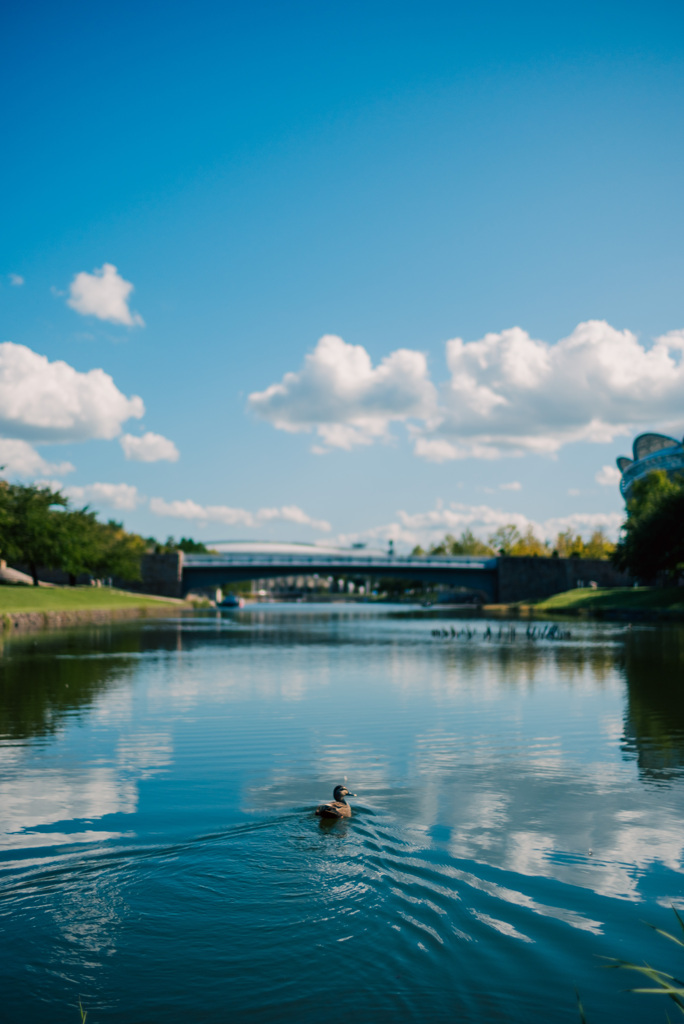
x=21, y=622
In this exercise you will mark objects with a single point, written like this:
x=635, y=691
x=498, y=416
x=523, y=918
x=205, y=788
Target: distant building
x=651, y=452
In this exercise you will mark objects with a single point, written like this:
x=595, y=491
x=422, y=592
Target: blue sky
x=388, y=176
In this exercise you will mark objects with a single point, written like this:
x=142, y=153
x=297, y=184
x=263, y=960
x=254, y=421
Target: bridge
x=501, y=579
x=262, y=561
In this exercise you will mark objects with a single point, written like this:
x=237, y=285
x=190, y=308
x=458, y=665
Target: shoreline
x=24, y=622
x=619, y=604
x=64, y=607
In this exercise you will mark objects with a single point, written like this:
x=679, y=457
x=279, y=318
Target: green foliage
x=192, y=547
x=466, y=544
x=117, y=553
x=529, y=544
x=652, y=538
x=505, y=539
x=508, y=540
x=568, y=545
x=38, y=528
x=79, y=544
x=185, y=544
x=662, y=983
x=573, y=545
x=32, y=530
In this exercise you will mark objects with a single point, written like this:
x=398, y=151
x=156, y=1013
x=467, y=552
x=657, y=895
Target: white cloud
x=120, y=496
x=348, y=402
x=507, y=393
x=511, y=394
x=16, y=280
x=585, y=523
x=514, y=485
x=228, y=516
x=425, y=528
x=437, y=449
x=44, y=401
x=456, y=517
x=103, y=294
x=149, y=448
x=292, y=514
x=189, y=509
x=609, y=476
x=19, y=458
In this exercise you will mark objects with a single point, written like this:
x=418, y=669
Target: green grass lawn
x=15, y=598
x=621, y=599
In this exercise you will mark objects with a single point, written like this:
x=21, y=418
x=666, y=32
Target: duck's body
x=338, y=806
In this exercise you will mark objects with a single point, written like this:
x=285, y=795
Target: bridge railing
x=339, y=562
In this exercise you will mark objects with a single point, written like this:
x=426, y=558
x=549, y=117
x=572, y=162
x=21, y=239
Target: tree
x=505, y=539
x=116, y=552
x=598, y=546
x=32, y=528
x=80, y=542
x=39, y=529
x=573, y=545
x=652, y=539
x=192, y=547
x=568, y=545
x=530, y=545
x=466, y=544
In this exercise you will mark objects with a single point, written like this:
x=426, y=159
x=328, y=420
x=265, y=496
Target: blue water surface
x=519, y=816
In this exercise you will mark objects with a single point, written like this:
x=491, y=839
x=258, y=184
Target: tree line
x=508, y=540
x=650, y=546
x=39, y=529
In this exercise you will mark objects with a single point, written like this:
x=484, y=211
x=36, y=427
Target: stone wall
x=161, y=575
x=527, y=579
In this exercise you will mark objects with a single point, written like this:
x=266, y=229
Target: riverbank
x=648, y=604
x=27, y=608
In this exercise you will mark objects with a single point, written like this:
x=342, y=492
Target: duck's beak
x=350, y=794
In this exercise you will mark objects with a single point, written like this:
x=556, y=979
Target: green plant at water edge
x=84, y=1013
x=664, y=984
x=580, y=1008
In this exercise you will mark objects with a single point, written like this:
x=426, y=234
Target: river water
x=519, y=815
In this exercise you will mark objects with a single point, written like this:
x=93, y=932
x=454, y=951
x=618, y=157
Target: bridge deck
x=462, y=570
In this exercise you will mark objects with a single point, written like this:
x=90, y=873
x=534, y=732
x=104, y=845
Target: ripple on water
x=162, y=860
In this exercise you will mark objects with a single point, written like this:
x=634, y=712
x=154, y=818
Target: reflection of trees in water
x=654, y=719
x=524, y=663
x=38, y=689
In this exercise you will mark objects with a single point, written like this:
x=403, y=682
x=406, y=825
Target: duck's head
x=340, y=792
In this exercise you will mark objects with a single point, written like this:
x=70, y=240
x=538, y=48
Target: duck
x=338, y=806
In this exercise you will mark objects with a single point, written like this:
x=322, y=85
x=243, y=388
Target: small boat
x=231, y=601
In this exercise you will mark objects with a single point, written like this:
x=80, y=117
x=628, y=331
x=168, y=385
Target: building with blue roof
x=651, y=452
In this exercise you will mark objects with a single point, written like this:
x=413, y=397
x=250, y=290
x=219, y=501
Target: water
x=519, y=815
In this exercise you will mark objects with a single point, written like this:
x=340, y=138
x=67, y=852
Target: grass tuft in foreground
x=662, y=983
